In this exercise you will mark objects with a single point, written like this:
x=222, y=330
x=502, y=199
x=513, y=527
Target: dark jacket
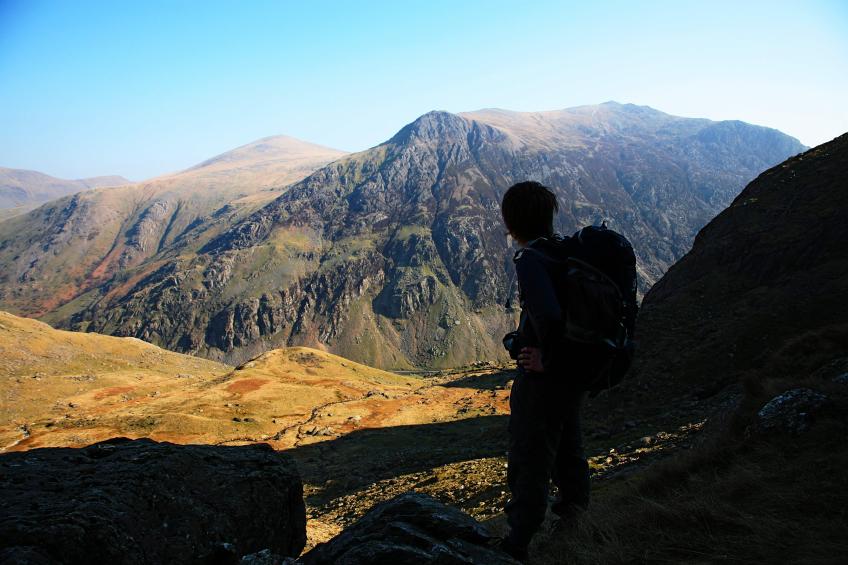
x=540, y=269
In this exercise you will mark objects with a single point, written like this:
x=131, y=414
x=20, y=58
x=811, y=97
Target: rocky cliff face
x=396, y=256
x=764, y=283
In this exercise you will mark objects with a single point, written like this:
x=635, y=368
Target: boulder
x=412, y=528
x=266, y=557
x=791, y=411
x=139, y=501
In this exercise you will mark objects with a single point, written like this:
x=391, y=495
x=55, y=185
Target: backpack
x=600, y=308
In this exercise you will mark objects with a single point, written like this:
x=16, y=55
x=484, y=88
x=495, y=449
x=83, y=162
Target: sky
x=143, y=88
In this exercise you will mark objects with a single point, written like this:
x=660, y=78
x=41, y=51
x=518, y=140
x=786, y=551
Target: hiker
x=544, y=426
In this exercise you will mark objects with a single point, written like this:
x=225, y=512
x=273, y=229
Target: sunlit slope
x=347, y=422
x=45, y=373
x=66, y=388
x=58, y=252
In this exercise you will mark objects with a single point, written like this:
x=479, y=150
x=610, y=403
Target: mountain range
x=394, y=256
x=22, y=190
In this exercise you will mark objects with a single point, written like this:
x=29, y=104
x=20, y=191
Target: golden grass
x=65, y=388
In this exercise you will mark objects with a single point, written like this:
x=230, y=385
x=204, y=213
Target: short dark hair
x=528, y=210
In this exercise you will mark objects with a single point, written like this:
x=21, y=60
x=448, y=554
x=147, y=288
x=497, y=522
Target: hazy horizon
x=141, y=90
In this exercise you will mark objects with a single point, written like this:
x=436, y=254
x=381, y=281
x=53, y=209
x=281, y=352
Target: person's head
x=528, y=210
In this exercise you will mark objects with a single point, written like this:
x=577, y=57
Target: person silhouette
x=545, y=440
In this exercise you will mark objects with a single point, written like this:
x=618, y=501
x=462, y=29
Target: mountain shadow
x=363, y=457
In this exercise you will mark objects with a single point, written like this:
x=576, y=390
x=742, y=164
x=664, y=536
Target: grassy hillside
x=735, y=497
x=67, y=388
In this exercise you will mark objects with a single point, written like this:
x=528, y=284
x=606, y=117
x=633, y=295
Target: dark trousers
x=544, y=443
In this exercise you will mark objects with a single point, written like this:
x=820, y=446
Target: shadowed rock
x=139, y=501
x=410, y=529
x=792, y=411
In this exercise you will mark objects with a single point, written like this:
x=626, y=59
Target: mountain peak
x=267, y=149
x=435, y=124
x=626, y=108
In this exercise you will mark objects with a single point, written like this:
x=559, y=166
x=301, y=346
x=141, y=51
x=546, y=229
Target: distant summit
x=277, y=148
x=23, y=188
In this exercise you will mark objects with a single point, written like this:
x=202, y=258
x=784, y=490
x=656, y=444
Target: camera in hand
x=512, y=343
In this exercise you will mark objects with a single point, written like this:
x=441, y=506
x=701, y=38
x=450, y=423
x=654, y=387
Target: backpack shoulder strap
x=528, y=250
x=579, y=236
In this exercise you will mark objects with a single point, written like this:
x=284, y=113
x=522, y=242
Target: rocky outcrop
x=411, y=529
x=391, y=241
x=148, y=232
x=792, y=412
x=139, y=501
x=266, y=557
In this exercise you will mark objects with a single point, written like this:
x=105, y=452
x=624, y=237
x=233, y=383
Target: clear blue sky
x=140, y=88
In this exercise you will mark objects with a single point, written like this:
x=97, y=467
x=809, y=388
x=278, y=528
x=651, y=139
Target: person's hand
x=530, y=359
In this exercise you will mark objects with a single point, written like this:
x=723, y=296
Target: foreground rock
x=793, y=411
x=139, y=501
x=410, y=529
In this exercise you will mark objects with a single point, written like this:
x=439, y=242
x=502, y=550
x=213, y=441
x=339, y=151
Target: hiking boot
x=567, y=518
x=519, y=553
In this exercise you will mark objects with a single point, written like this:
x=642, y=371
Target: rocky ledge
x=139, y=501
x=410, y=529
